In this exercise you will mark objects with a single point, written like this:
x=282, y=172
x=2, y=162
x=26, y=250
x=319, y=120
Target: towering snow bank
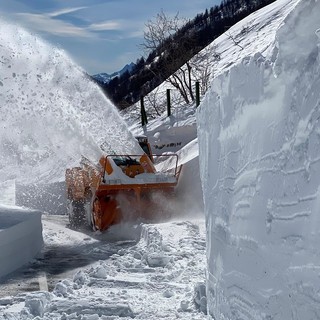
x=260, y=168
x=20, y=237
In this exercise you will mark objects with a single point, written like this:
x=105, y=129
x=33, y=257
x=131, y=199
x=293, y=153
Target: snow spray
x=51, y=111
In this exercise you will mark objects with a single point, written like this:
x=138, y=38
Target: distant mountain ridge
x=105, y=78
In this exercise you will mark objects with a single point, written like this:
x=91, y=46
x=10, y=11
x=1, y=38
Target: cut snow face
x=259, y=156
x=20, y=237
x=51, y=113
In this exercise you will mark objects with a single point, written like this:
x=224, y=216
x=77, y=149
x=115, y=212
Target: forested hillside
x=176, y=50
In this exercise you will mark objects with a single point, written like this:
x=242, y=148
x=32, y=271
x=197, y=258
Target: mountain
x=174, y=51
x=104, y=78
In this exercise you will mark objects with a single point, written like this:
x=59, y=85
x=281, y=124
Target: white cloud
x=65, y=11
x=44, y=23
x=136, y=33
x=107, y=25
x=128, y=29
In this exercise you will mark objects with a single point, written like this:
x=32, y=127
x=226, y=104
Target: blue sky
x=99, y=35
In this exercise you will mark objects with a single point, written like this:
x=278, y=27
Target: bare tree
x=153, y=100
x=235, y=41
x=202, y=66
x=175, y=61
x=156, y=32
x=161, y=36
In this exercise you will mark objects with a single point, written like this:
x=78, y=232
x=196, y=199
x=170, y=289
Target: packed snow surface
x=258, y=132
x=160, y=277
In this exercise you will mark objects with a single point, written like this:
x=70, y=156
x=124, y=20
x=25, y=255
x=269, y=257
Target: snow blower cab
x=119, y=188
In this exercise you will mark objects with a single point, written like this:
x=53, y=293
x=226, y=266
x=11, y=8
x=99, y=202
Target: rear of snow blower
x=119, y=188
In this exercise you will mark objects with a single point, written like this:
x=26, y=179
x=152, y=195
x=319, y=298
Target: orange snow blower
x=119, y=188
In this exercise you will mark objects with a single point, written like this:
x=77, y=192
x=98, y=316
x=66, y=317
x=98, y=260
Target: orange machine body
x=119, y=188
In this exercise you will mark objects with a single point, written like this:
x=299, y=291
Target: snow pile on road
x=260, y=162
x=162, y=276
x=20, y=237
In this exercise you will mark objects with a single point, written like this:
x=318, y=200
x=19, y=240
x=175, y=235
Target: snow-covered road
x=143, y=271
x=65, y=251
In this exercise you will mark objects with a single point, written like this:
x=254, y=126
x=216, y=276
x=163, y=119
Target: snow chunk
x=99, y=272
x=63, y=288
x=36, y=303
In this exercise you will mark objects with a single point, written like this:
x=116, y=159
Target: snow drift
x=259, y=133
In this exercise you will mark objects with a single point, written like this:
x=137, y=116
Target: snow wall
x=259, y=140
x=20, y=237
